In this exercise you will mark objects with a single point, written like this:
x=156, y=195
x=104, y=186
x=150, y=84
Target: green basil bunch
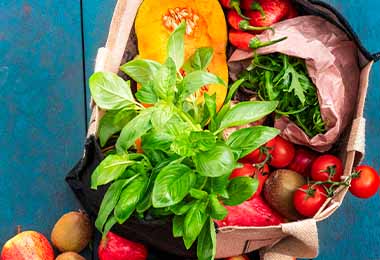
x=184, y=170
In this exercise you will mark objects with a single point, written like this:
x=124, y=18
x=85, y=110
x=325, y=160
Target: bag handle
x=301, y=241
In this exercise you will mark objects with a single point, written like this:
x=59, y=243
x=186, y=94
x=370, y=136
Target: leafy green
x=240, y=189
x=194, y=220
x=282, y=78
x=141, y=71
x=178, y=225
x=216, y=209
x=176, y=47
x=206, y=248
x=200, y=60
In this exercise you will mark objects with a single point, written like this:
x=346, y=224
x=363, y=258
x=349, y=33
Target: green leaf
x=249, y=139
x=215, y=209
x=141, y=71
x=240, y=189
x=182, y=146
x=109, y=224
x=164, y=84
x=202, y=140
x=134, y=130
x=146, y=201
x=161, y=116
x=200, y=60
x=210, y=103
x=176, y=45
x=194, y=222
x=219, y=185
x=206, y=248
x=247, y=112
x=157, y=140
x=232, y=90
x=112, y=122
x=111, y=168
x=198, y=194
x=110, y=92
x=215, y=162
x=146, y=94
x=197, y=79
x=129, y=198
x=178, y=225
x=183, y=207
x=172, y=185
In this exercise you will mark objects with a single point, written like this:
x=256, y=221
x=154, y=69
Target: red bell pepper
x=247, y=41
x=235, y=5
x=239, y=23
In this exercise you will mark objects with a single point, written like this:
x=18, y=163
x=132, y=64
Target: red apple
x=240, y=257
x=114, y=247
x=28, y=245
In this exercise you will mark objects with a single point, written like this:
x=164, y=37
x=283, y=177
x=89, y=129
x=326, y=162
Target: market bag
x=299, y=239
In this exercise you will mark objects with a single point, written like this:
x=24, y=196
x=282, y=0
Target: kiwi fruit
x=279, y=189
x=70, y=256
x=72, y=232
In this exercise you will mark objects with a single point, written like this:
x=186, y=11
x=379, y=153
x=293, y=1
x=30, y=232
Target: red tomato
x=302, y=161
x=365, y=182
x=309, y=199
x=282, y=152
x=246, y=170
x=327, y=167
x=261, y=175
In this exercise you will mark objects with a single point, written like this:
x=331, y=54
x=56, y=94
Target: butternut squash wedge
x=206, y=27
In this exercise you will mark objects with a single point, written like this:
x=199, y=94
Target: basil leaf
x=109, y=224
x=112, y=122
x=182, y=146
x=109, y=202
x=140, y=70
x=146, y=94
x=161, y=116
x=249, y=139
x=214, y=125
x=182, y=207
x=178, y=225
x=129, y=198
x=197, y=79
x=232, y=90
x=111, y=168
x=146, y=201
x=210, y=102
x=110, y=92
x=157, y=140
x=219, y=185
x=215, y=209
x=176, y=45
x=134, y=130
x=172, y=185
x=240, y=189
x=215, y=162
x=247, y=112
x=198, y=194
x=202, y=140
x=206, y=248
x=194, y=222
x=200, y=60
x=164, y=83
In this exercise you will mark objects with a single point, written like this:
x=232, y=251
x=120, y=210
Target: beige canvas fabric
x=296, y=239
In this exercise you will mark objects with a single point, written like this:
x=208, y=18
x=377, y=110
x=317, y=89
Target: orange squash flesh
x=210, y=30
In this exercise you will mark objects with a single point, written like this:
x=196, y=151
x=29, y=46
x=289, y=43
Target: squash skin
x=211, y=31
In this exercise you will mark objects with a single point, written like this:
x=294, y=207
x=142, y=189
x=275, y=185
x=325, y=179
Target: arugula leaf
x=136, y=128
x=206, y=248
x=110, y=92
x=110, y=169
x=215, y=209
x=240, y=189
x=194, y=222
x=247, y=112
x=129, y=198
x=197, y=79
x=178, y=225
x=141, y=71
x=176, y=45
x=215, y=162
x=112, y=122
x=249, y=139
x=200, y=60
x=172, y=185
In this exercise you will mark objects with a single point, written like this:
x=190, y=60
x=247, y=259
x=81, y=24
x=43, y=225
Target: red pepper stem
x=257, y=7
x=255, y=42
x=235, y=4
x=244, y=25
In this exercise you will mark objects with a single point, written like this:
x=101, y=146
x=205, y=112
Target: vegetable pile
x=185, y=166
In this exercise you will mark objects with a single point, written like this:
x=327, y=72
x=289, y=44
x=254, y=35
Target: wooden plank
x=42, y=113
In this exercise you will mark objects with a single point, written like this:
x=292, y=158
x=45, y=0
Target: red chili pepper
x=275, y=11
x=252, y=5
x=239, y=23
x=235, y=5
x=292, y=13
x=247, y=41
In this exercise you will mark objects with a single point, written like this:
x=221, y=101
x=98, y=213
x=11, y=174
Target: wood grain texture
x=42, y=112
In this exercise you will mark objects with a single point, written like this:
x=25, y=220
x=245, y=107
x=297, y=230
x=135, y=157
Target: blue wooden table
x=47, y=51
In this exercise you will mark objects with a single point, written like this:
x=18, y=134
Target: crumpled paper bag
x=332, y=62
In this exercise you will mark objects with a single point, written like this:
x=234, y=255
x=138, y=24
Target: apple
x=114, y=247
x=27, y=245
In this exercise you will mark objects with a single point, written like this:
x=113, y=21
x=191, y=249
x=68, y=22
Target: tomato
x=309, y=199
x=365, y=182
x=246, y=170
x=262, y=175
x=302, y=161
x=326, y=167
x=281, y=153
